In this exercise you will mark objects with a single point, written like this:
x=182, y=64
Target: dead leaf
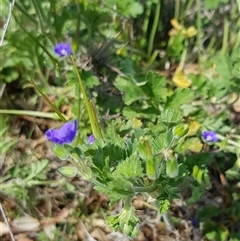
x=3, y=228
x=49, y=230
x=236, y=106
x=26, y=223
x=193, y=128
x=22, y=237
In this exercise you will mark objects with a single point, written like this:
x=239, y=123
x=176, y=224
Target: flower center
x=209, y=138
x=64, y=52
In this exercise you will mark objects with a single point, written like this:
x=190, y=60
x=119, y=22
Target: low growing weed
x=132, y=127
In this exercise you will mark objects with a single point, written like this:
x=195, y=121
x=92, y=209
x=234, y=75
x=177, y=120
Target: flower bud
x=172, y=168
x=180, y=130
x=61, y=152
x=68, y=171
x=144, y=149
x=145, y=152
x=152, y=169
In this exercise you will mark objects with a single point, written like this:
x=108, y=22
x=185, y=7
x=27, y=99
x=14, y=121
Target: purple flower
x=91, y=139
x=62, y=49
x=65, y=134
x=209, y=136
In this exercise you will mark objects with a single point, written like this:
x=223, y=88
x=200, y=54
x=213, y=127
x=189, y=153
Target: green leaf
x=176, y=45
x=158, y=128
x=132, y=92
x=157, y=85
x=163, y=205
x=233, y=172
x=197, y=192
x=201, y=176
x=201, y=159
x=171, y=115
x=114, y=197
x=130, y=168
x=193, y=144
x=36, y=169
x=161, y=142
x=116, y=189
x=9, y=75
x=6, y=144
x=127, y=7
x=180, y=97
x=122, y=186
x=213, y=231
x=113, y=152
x=90, y=80
x=222, y=82
x=208, y=212
x=138, y=112
x=224, y=67
x=134, y=9
x=125, y=221
x=213, y=4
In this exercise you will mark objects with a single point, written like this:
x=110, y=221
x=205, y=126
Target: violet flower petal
x=65, y=134
x=91, y=139
x=62, y=49
x=210, y=136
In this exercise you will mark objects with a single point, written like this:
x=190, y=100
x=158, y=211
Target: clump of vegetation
x=111, y=109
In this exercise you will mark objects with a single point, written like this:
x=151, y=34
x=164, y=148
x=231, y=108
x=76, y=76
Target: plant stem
x=225, y=36
x=40, y=15
x=152, y=58
x=22, y=10
x=35, y=60
x=154, y=29
x=44, y=19
x=38, y=43
x=95, y=118
x=184, y=54
x=54, y=14
x=237, y=41
x=177, y=9
x=94, y=124
x=127, y=202
x=145, y=189
x=146, y=21
x=49, y=102
x=199, y=35
x=220, y=137
x=77, y=32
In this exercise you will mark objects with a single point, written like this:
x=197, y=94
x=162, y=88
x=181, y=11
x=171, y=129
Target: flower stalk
x=49, y=102
x=91, y=111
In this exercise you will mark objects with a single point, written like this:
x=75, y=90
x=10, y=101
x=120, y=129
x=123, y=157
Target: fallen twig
x=6, y=222
x=5, y=26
